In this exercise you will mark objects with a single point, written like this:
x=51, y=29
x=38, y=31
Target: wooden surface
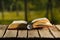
x=45, y=33
x=22, y=33
x=51, y=32
x=55, y=32
x=10, y=33
x=32, y=33
x=2, y=29
x=58, y=26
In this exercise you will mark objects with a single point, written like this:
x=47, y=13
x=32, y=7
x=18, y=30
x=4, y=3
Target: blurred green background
x=11, y=10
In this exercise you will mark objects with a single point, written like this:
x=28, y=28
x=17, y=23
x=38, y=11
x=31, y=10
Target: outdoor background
x=11, y=10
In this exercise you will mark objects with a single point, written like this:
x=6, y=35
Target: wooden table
x=51, y=32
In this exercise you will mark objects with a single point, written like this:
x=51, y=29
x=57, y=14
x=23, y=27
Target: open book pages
x=17, y=25
x=40, y=22
x=36, y=23
x=20, y=21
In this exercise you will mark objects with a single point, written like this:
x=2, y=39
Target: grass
x=11, y=16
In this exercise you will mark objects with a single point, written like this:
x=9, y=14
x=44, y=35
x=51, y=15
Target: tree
x=3, y=9
x=57, y=3
x=25, y=8
x=49, y=8
x=17, y=9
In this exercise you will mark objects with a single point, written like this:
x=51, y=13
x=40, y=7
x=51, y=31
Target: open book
x=36, y=23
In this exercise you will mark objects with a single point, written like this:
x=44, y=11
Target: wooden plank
x=10, y=33
x=58, y=27
x=2, y=29
x=22, y=33
x=55, y=32
x=44, y=33
x=1, y=33
x=32, y=33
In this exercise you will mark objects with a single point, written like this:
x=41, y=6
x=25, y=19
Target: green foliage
x=32, y=4
x=37, y=9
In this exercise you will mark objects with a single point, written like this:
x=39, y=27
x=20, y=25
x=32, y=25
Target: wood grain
x=55, y=32
x=10, y=33
x=44, y=33
x=22, y=33
x=57, y=26
x=2, y=29
x=32, y=33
